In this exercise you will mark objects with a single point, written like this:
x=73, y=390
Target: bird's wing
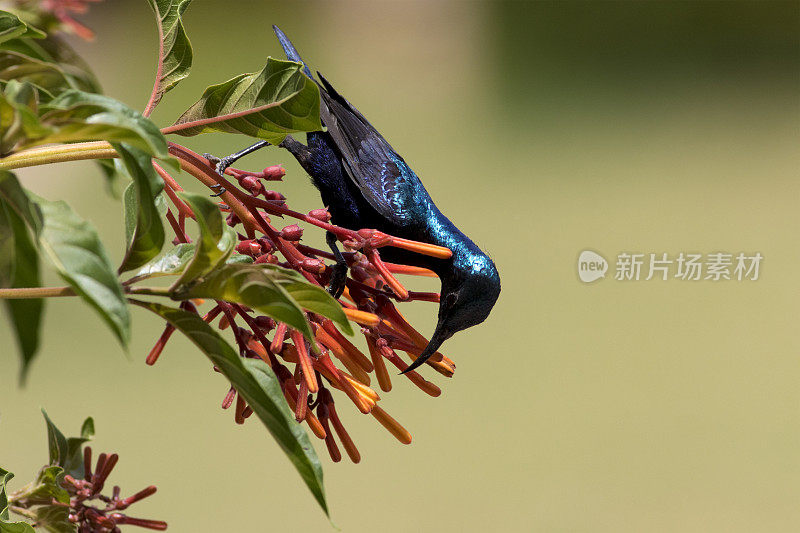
x=385, y=180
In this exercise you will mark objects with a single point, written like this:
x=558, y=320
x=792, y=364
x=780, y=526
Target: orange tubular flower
x=310, y=375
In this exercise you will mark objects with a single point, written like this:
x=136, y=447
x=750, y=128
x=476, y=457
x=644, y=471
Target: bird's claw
x=220, y=165
x=338, y=279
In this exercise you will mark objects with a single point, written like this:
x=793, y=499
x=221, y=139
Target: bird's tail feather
x=291, y=51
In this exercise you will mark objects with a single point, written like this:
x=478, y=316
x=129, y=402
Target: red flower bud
x=315, y=266
x=232, y=220
x=292, y=233
x=266, y=245
x=253, y=185
x=320, y=214
x=275, y=196
x=249, y=247
x=265, y=322
x=266, y=258
x=275, y=172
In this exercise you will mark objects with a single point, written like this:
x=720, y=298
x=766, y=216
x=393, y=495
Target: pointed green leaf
x=73, y=246
x=147, y=238
x=56, y=442
x=216, y=241
x=11, y=27
x=253, y=286
x=67, y=453
x=260, y=389
x=87, y=428
x=268, y=104
x=175, y=50
x=19, y=267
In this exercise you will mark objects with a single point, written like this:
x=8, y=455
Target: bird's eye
x=450, y=300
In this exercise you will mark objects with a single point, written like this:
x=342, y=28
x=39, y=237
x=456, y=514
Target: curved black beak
x=439, y=336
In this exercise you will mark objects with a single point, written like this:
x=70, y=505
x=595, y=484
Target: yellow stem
x=58, y=153
x=36, y=292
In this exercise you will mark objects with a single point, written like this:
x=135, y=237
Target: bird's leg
x=339, y=276
x=221, y=164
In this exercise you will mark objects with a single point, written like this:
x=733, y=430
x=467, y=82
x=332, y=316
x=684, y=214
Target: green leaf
x=130, y=217
x=87, y=428
x=260, y=389
x=268, y=104
x=5, y=477
x=7, y=246
x=67, y=453
x=54, y=518
x=311, y=297
x=73, y=246
x=280, y=421
x=170, y=264
x=74, y=116
x=216, y=241
x=79, y=116
x=253, y=286
x=42, y=94
x=45, y=75
x=19, y=267
x=56, y=442
x=17, y=200
x=147, y=238
x=48, y=62
x=11, y=27
x=175, y=57
x=15, y=527
x=18, y=117
x=6, y=526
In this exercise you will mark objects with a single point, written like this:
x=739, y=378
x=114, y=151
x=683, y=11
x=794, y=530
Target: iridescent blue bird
x=366, y=184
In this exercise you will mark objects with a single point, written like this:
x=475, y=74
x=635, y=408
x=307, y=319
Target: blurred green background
x=541, y=129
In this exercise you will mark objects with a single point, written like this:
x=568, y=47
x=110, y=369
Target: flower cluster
x=104, y=516
x=308, y=373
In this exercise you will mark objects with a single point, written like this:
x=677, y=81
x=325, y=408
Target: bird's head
x=466, y=299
